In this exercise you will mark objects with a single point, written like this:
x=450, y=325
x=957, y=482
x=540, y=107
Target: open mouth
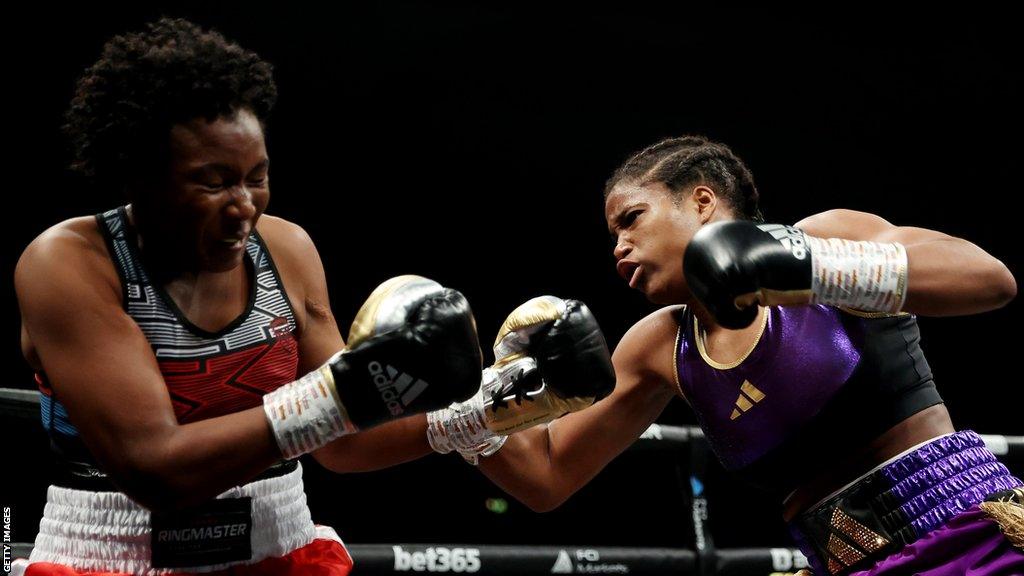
x=634, y=280
x=234, y=239
x=629, y=271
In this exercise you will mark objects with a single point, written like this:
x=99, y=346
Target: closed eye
x=630, y=218
x=211, y=186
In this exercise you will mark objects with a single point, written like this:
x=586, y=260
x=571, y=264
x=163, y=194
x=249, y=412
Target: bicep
x=859, y=226
x=948, y=275
x=319, y=337
x=97, y=360
x=544, y=465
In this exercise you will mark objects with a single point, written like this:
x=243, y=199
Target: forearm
x=195, y=462
x=949, y=276
x=945, y=275
x=386, y=445
x=545, y=465
x=525, y=470
x=191, y=463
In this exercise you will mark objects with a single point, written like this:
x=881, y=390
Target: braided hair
x=683, y=162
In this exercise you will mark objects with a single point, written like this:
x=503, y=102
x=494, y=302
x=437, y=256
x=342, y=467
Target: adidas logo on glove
x=792, y=238
x=397, y=389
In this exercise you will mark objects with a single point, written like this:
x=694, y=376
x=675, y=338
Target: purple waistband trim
x=933, y=451
x=941, y=479
x=901, y=501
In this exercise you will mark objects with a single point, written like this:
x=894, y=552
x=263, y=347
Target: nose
x=622, y=249
x=241, y=205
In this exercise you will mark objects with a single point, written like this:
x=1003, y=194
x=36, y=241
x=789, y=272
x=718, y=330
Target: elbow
x=543, y=501
x=539, y=495
x=545, y=506
x=150, y=491
x=335, y=465
x=343, y=457
x=1003, y=286
x=162, y=495
x=1009, y=291
x=159, y=502
x=145, y=479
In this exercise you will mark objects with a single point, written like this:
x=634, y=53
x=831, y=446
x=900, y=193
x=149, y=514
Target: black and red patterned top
x=208, y=374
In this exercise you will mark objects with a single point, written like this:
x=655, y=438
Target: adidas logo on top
x=749, y=395
x=397, y=389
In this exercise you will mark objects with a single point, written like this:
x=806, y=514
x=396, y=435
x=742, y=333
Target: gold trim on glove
x=533, y=313
x=378, y=311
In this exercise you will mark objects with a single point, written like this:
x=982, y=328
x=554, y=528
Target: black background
x=470, y=143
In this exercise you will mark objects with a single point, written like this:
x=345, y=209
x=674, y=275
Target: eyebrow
x=221, y=167
x=263, y=164
x=617, y=218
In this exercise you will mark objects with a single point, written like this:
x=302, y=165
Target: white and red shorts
x=106, y=533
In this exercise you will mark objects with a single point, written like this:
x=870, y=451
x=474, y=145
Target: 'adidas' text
x=397, y=389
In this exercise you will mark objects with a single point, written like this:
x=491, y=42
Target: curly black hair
x=146, y=82
x=687, y=160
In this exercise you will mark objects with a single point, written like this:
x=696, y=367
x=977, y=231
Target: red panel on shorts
x=320, y=557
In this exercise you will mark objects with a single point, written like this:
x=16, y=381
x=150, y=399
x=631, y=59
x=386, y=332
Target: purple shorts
x=969, y=544
x=918, y=514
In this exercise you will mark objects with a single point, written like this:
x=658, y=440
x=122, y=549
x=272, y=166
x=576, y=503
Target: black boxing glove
x=412, y=348
x=550, y=359
x=734, y=265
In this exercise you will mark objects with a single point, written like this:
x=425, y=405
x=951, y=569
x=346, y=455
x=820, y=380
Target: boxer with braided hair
x=798, y=349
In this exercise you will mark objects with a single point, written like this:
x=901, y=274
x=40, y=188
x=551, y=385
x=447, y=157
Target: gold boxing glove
x=550, y=359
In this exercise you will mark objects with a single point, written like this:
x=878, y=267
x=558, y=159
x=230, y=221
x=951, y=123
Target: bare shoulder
x=301, y=270
x=284, y=235
x=80, y=234
x=647, y=349
x=72, y=253
x=293, y=250
x=65, y=272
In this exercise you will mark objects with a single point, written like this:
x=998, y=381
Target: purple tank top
x=802, y=358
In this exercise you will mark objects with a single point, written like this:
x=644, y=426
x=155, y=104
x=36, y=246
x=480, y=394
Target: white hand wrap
x=306, y=414
x=464, y=426
x=869, y=276
x=511, y=397
x=459, y=428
